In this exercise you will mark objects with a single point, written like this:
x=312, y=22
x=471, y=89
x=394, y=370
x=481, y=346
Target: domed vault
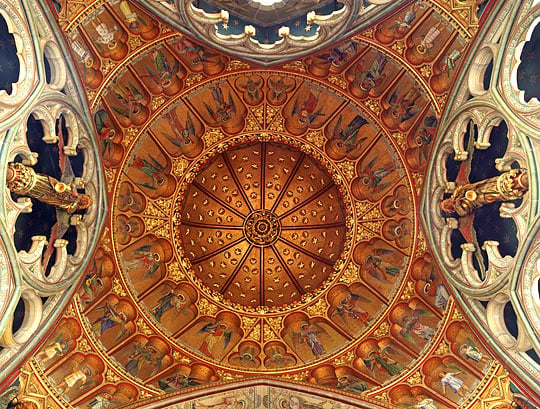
x=263, y=221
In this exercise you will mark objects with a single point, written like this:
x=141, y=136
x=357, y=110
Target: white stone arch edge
x=175, y=400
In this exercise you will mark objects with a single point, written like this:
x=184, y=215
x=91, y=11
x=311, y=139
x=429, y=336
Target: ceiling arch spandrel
x=263, y=221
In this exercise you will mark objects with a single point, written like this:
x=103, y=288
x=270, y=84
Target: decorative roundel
x=263, y=224
x=264, y=215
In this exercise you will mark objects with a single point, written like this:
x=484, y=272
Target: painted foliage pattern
x=335, y=147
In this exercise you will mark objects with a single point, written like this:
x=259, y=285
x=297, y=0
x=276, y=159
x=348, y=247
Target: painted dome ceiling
x=263, y=221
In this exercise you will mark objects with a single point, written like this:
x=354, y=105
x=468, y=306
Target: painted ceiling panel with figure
x=263, y=221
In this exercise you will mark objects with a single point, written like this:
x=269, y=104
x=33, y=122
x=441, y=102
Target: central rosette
x=262, y=224
x=262, y=228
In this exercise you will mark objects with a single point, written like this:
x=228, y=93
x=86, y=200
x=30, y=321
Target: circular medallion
x=263, y=224
x=262, y=228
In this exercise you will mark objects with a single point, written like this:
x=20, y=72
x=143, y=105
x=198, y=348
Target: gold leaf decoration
x=275, y=323
x=268, y=333
x=165, y=29
x=134, y=42
x=179, y=166
x=415, y=378
x=373, y=105
x=212, y=136
x=117, y=288
x=408, y=292
x=157, y=102
x=83, y=346
x=347, y=168
x=145, y=394
x=369, y=32
x=426, y=71
x=227, y=376
x=418, y=182
x=384, y=397
x=442, y=349
x=235, y=65
x=178, y=357
x=111, y=376
x=350, y=274
x=338, y=80
x=175, y=272
x=248, y=323
x=299, y=376
x=457, y=315
x=383, y=330
x=255, y=334
x=108, y=65
x=193, y=78
x=142, y=326
x=110, y=176
x=363, y=207
x=70, y=311
x=400, y=140
x=319, y=308
x=345, y=359
x=129, y=135
x=206, y=308
x=316, y=138
x=399, y=47
x=421, y=245
x=297, y=66
x=364, y=234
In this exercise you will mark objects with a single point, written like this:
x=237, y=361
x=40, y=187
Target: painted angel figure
x=183, y=135
x=216, y=333
x=92, y=285
x=402, y=105
x=77, y=375
x=350, y=384
x=146, y=355
x=102, y=401
x=451, y=380
x=441, y=293
x=350, y=135
x=309, y=333
x=144, y=258
x=305, y=111
x=347, y=308
x=176, y=382
x=163, y=70
x=338, y=55
x=127, y=199
x=167, y=302
x=380, y=359
x=57, y=348
x=153, y=169
x=402, y=25
x=423, y=402
x=372, y=177
x=427, y=41
x=411, y=325
x=106, y=34
x=470, y=351
x=131, y=99
x=225, y=110
x=377, y=267
x=374, y=76
x=252, y=89
x=278, y=90
x=110, y=319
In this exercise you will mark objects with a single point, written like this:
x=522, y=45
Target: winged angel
x=309, y=334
